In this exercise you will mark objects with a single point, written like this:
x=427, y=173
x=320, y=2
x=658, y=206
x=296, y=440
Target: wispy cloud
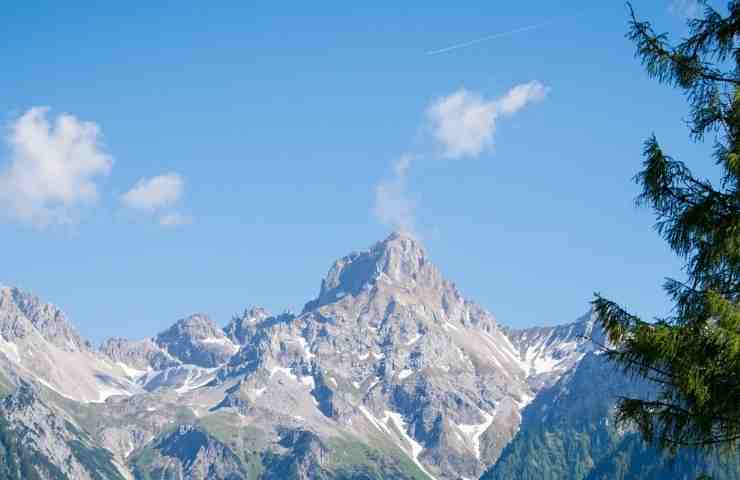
x=393, y=206
x=53, y=168
x=460, y=125
x=155, y=195
x=464, y=123
x=151, y=194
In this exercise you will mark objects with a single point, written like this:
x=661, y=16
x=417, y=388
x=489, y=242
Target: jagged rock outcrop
x=304, y=457
x=196, y=340
x=189, y=452
x=18, y=309
x=138, y=354
x=241, y=329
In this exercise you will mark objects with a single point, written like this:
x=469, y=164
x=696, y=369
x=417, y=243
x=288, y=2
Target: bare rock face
x=241, y=328
x=195, y=340
x=198, y=341
x=138, y=354
x=21, y=313
x=303, y=456
x=399, y=260
x=190, y=452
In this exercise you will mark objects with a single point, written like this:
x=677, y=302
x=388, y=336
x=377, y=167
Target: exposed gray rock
x=241, y=329
x=198, y=341
x=304, y=457
x=19, y=308
x=190, y=452
x=139, y=354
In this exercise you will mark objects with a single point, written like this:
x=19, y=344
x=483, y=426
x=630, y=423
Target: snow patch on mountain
x=405, y=373
x=10, y=349
x=546, y=353
x=415, y=447
x=132, y=373
x=474, y=431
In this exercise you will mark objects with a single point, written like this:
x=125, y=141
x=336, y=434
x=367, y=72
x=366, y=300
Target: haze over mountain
x=390, y=372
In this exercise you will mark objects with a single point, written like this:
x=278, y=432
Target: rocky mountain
x=390, y=349
x=197, y=340
x=390, y=372
x=185, y=355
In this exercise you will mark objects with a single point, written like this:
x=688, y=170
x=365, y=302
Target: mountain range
x=389, y=373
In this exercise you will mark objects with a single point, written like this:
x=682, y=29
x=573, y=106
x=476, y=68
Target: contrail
x=489, y=37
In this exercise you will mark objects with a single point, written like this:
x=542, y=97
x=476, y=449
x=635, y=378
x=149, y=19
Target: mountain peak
x=198, y=325
x=400, y=235
x=47, y=319
x=398, y=259
x=240, y=328
x=198, y=340
x=401, y=241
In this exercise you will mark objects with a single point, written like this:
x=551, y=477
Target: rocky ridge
x=389, y=357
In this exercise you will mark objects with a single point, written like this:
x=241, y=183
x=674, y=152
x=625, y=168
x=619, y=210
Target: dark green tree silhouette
x=692, y=355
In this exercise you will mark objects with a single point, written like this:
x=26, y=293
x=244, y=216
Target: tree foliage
x=693, y=355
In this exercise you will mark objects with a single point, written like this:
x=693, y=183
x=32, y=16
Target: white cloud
x=519, y=96
x=464, y=123
x=152, y=194
x=158, y=195
x=174, y=219
x=685, y=8
x=393, y=207
x=53, y=168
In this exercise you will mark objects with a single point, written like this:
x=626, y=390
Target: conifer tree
x=693, y=354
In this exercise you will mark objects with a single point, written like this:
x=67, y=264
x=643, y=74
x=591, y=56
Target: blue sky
x=232, y=153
